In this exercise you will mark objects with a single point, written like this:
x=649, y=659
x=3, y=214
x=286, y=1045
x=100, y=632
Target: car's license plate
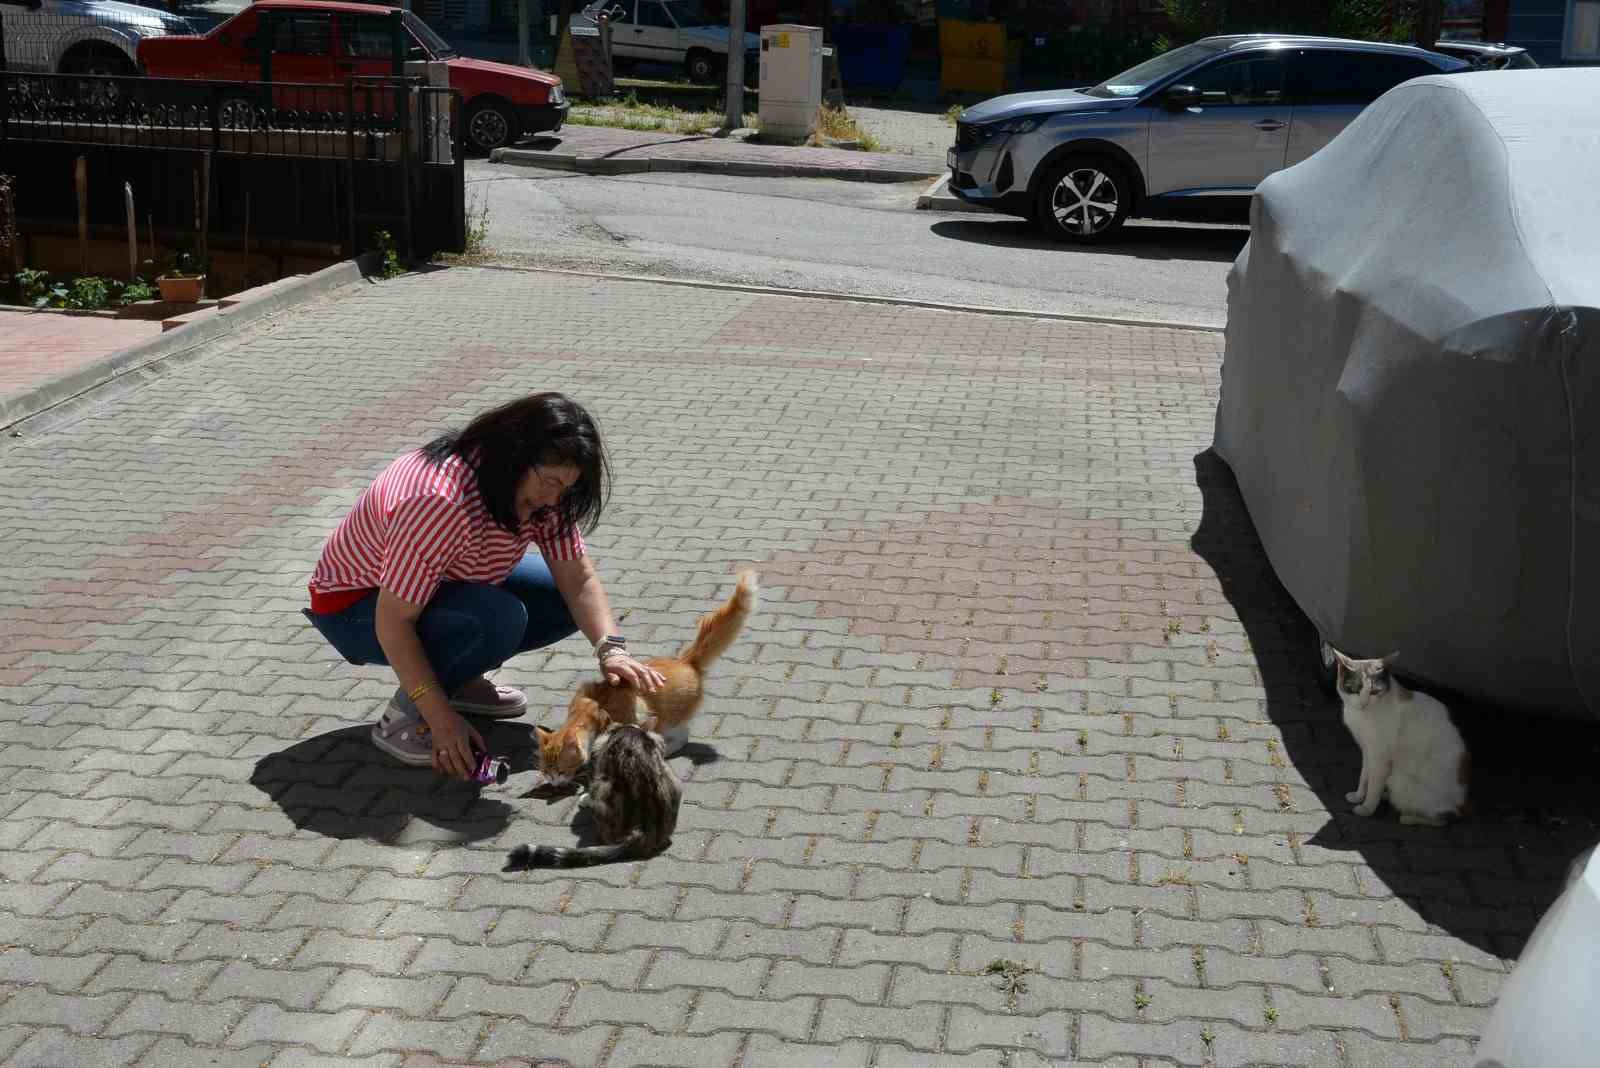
x=950, y=159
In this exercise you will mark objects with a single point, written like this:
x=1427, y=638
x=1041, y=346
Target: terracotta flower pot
x=182, y=290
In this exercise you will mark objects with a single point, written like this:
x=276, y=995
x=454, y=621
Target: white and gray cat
x=633, y=800
x=1410, y=751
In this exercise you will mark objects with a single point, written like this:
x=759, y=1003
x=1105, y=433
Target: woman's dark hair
x=503, y=444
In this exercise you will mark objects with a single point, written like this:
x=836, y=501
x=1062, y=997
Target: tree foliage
x=1373, y=20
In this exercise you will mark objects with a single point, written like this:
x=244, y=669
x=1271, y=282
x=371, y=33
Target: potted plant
x=183, y=280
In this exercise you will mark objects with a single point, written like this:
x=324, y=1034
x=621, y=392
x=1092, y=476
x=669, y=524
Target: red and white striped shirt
x=420, y=524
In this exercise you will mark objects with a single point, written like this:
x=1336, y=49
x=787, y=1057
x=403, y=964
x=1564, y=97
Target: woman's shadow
x=338, y=784
x=1486, y=879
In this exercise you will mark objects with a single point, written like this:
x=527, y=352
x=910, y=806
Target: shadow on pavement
x=1486, y=879
x=1147, y=241
x=337, y=784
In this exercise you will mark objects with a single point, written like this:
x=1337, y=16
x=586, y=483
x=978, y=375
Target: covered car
x=1411, y=384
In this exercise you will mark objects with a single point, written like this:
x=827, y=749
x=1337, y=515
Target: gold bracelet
x=419, y=691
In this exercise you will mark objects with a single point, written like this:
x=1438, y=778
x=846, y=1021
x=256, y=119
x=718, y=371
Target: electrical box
x=791, y=80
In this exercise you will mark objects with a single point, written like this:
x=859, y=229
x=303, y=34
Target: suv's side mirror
x=1178, y=97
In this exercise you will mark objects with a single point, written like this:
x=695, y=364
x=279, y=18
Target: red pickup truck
x=322, y=42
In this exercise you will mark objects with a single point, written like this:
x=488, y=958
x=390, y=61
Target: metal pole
x=524, y=58
x=735, y=116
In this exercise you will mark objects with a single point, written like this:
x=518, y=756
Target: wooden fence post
x=80, y=176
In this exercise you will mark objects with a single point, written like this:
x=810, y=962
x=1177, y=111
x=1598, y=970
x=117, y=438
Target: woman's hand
x=620, y=669
x=453, y=742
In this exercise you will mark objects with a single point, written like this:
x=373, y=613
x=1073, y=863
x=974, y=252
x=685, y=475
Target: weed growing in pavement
x=478, y=230
x=390, y=265
x=477, y=243
x=1011, y=973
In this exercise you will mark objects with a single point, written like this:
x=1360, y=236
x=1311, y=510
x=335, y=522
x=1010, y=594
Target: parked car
x=1545, y=1016
x=98, y=37
x=324, y=42
x=1209, y=119
x=201, y=15
x=672, y=31
x=1485, y=56
x=1408, y=404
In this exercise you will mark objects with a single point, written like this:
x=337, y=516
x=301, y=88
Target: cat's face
x=562, y=753
x=1362, y=680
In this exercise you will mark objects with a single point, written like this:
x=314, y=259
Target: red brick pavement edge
x=77, y=378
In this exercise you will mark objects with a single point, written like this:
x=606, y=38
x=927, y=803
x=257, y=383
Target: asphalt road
x=848, y=237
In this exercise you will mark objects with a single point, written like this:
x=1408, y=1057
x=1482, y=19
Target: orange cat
x=598, y=706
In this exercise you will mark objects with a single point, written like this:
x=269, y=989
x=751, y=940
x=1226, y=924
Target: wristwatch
x=610, y=645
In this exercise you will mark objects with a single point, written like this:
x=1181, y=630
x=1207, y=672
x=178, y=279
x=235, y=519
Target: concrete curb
x=938, y=197
x=610, y=165
x=141, y=359
x=857, y=298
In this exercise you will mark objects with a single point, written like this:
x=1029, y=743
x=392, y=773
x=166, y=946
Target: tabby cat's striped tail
x=524, y=857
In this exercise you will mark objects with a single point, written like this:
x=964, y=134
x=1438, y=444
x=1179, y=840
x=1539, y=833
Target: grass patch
x=837, y=124
x=630, y=113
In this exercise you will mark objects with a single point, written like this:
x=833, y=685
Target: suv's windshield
x=1135, y=80
x=687, y=13
x=437, y=46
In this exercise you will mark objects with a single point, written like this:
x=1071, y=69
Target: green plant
x=1271, y=1014
x=1207, y=1035
x=138, y=290
x=383, y=244
x=182, y=264
x=88, y=293
x=1141, y=1001
x=32, y=285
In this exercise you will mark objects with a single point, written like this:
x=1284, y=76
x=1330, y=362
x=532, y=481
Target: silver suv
x=1209, y=119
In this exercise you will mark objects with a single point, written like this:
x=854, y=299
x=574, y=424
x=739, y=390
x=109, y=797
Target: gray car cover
x=1411, y=384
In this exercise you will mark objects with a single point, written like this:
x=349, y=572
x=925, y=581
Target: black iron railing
x=364, y=118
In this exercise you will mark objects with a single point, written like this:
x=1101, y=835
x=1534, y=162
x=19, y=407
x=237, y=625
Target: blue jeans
x=468, y=628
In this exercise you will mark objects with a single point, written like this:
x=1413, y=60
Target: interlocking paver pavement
x=1020, y=764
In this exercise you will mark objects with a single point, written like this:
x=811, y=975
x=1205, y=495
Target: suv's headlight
x=1019, y=126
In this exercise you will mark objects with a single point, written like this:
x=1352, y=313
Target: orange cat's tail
x=720, y=628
